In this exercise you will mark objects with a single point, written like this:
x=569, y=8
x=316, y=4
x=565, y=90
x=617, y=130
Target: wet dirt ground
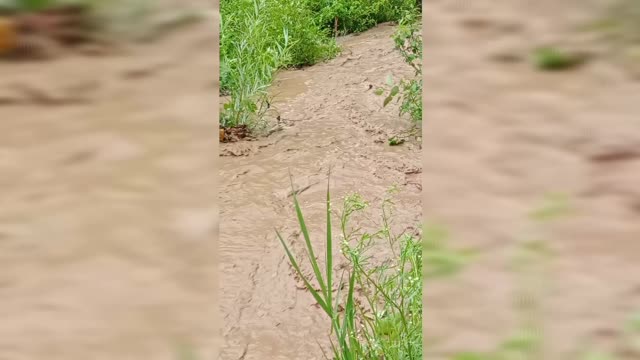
x=331, y=118
x=499, y=137
x=107, y=207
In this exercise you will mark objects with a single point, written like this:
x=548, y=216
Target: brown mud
x=107, y=215
x=330, y=118
x=500, y=137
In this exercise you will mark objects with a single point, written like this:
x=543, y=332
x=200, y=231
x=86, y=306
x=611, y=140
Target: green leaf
x=394, y=141
x=394, y=91
x=389, y=80
x=379, y=91
x=307, y=239
x=329, y=254
x=387, y=100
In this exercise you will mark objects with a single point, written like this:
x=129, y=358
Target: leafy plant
x=408, y=40
x=259, y=37
x=385, y=321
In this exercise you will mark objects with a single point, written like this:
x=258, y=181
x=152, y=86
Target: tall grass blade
x=307, y=240
x=329, y=263
x=307, y=284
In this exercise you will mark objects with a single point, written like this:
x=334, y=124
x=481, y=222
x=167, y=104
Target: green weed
x=548, y=58
x=384, y=321
x=259, y=37
x=408, y=41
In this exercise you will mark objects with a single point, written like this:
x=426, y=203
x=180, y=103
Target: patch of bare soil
x=501, y=136
x=107, y=222
x=330, y=117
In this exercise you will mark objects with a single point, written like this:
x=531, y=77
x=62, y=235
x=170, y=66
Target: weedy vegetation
x=375, y=308
x=259, y=37
x=408, y=41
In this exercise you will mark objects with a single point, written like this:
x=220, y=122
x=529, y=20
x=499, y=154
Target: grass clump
x=380, y=315
x=548, y=58
x=258, y=37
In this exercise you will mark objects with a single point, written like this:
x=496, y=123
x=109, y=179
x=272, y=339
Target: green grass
x=384, y=319
x=548, y=58
x=408, y=92
x=259, y=37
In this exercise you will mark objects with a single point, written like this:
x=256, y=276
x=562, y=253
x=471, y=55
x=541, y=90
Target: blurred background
x=531, y=168
x=107, y=173
x=108, y=170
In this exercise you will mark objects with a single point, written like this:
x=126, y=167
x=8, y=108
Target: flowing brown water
x=107, y=203
x=332, y=120
x=500, y=136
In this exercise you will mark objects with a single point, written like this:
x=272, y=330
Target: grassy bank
x=258, y=37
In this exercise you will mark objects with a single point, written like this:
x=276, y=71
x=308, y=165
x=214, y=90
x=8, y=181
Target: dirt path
x=106, y=208
x=337, y=121
x=500, y=136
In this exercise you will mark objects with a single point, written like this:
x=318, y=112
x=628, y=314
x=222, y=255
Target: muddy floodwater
x=107, y=202
x=332, y=119
x=110, y=209
x=500, y=138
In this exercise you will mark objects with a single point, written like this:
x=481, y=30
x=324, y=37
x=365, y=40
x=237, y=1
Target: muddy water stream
x=107, y=216
x=331, y=119
x=503, y=136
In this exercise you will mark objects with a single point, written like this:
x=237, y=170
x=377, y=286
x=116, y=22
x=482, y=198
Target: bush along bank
x=259, y=37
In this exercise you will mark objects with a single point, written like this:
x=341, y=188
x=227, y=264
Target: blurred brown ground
x=107, y=202
x=500, y=136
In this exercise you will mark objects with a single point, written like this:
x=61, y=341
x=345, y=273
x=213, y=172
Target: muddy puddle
x=331, y=120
